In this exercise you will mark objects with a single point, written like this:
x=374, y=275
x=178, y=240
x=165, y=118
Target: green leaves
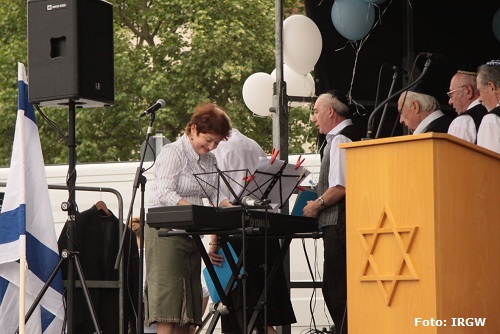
x=185, y=52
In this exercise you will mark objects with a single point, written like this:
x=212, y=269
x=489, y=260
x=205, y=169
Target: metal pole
x=280, y=105
x=280, y=116
x=71, y=206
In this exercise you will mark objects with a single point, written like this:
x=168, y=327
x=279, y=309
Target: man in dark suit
x=421, y=113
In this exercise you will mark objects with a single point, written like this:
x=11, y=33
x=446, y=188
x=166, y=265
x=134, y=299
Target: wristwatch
x=321, y=201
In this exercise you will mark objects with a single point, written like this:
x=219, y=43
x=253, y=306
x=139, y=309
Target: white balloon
x=297, y=84
x=258, y=93
x=495, y=25
x=302, y=43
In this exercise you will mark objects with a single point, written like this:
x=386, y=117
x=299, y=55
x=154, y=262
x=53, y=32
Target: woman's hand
x=226, y=203
x=215, y=258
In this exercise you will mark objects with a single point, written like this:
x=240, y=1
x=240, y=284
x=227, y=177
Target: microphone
x=399, y=70
x=433, y=56
x=158, y=105
x=256, y=203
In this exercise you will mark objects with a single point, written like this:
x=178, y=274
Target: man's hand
x=312, y=209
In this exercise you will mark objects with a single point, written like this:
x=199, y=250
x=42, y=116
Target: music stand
x=226, y=178
x=275, y=181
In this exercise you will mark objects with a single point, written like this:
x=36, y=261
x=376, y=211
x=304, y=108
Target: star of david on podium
x=387, y=248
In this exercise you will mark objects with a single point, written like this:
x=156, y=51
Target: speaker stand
x=69, y=254
x=71, y=207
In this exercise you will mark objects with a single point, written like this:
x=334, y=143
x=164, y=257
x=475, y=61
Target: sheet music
x=278, y=178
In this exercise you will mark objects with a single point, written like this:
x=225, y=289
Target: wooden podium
x=423, y=236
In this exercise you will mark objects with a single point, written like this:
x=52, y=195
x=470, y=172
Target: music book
x=223, y=272
x=301, y=201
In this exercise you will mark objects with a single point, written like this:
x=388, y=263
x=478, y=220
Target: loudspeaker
x=70, y=53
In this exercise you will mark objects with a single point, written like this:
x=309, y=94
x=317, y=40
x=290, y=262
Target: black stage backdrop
x=460, y=30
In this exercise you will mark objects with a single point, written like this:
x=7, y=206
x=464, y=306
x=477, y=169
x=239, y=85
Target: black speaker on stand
x=70, y=64
x=70, y=53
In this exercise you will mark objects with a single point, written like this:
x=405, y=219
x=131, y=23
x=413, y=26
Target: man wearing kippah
x=331, y=117
x=420, y=111
x=464, y=98
x=488, y=85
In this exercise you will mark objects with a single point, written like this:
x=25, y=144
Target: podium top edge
x=420, y=137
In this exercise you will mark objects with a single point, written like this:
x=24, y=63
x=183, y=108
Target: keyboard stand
x=236, y=321
x=195, y=221
x=235, y=267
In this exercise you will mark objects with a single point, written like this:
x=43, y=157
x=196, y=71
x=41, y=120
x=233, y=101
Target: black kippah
x=339, y=95
x=420, y=88
x=467, y=69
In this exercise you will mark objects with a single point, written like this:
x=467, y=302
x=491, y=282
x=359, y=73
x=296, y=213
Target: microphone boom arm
x=384, y=113
x=371, y=119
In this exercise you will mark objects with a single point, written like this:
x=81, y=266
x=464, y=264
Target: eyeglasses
x=450, y=93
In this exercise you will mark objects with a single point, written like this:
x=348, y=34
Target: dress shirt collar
x=473, y=104
x=335, y=131
x=426, y=121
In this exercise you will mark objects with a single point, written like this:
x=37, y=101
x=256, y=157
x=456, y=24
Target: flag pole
x=22, y=237
x=22, y=285
x=26, y=210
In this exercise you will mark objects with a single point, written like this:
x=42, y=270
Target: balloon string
x=357, y=48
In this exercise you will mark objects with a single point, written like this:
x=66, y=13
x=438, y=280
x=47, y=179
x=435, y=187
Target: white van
x=113, y=184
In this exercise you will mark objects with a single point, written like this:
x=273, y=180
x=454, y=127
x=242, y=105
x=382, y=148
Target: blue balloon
x=377, y=2
x=495, y=25
x=353, y=19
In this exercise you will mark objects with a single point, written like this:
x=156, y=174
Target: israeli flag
x=28, y=243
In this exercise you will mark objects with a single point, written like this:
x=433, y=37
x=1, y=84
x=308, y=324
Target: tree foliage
x=185, y=52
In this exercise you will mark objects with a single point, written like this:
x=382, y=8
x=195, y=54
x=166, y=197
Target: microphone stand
x=140, y=179
x=247, y=330
x=384, y=113
x=371, y=119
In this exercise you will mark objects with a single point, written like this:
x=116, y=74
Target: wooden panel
x=467, y=236
x=413, y=208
